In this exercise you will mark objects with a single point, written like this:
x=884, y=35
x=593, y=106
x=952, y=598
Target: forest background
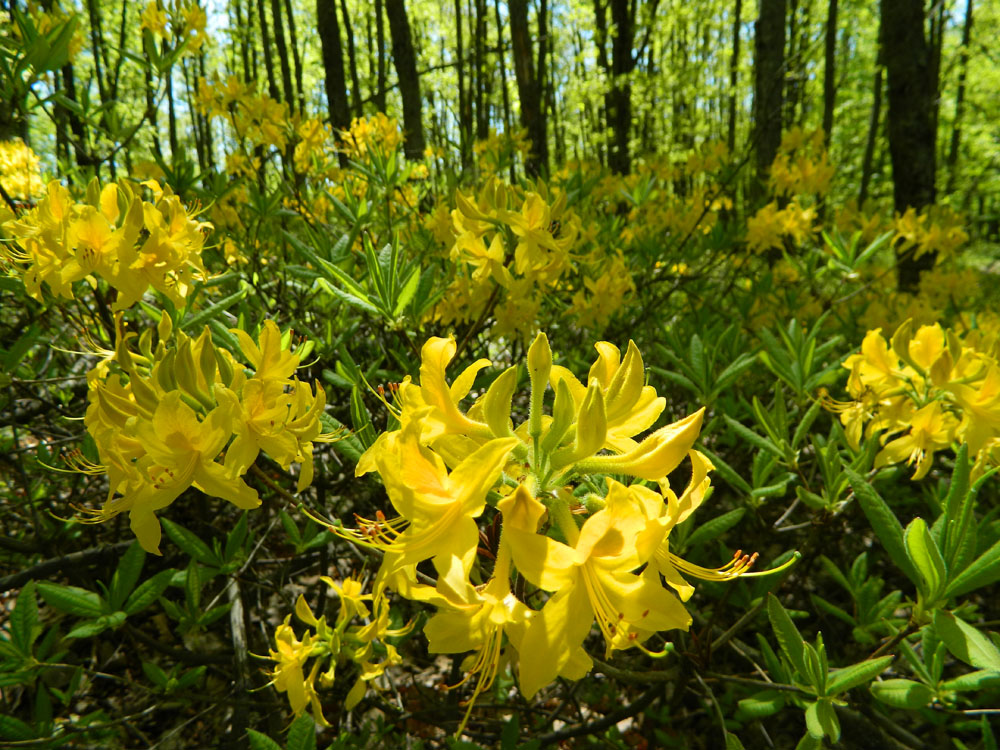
x=240, y=243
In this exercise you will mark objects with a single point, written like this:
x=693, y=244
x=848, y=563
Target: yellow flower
x=592, y=579
x=931, y=429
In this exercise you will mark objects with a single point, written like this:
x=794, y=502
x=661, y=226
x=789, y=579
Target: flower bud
x=497, y=402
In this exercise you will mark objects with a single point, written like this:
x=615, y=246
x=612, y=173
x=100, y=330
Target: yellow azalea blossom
x=289, y=675
x=592, y=579
x=182, y=452
x=437, y=509
x=931, y=429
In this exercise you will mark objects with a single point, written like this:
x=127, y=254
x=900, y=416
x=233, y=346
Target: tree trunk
x=873, y=125
x=734, y=69
x=352, y=62
x=409, y=80
x=769, y=72
x=619, y=98
x=296, y=58
x=265, y=41
x=829, y=70
x=283, y=61
x=464, y=124
x=482, y=108
x=911, y=118
x=379, y=97
x=529, y=87
x=333, y=65
x=956, y=127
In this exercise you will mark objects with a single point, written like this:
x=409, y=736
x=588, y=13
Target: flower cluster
x=510, y=245
x=180, y=20
x=922, y=392
x=19, y=171
x=593, y=549
x=163, y=420
x=116, y=235
x=345, y=641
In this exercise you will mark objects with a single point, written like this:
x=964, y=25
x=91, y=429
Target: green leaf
x=761, y=705
x=926, y=557
x=903, y=693
x=199, y=319
x=752, y=437
x=983, y=571
x=148, y=592
x=788, y=635
x=980, y=680
x=155, y=674
x=807, y=421
x=302, y=734
x=966, y=642
x=21, y=347
x=844, y=679
x=813, y=724
x=126, y=575
x=15, y=729
x=260, y=741
x=733, y=742
x=236, y=537
x=716, y=527
x=727, y=472
x=887, y=527
x=957, y=506
x=828, y=720
x=71, y=599
x=190, y=543
x=25, y=626
x=89, y=629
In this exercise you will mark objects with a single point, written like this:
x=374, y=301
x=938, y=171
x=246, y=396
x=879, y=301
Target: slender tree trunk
x=464, y=122
x=296, y=58
x=529, y=87
x=333, y=65
x=380, y=42
x=769, y=72
x=265, y=41
x=956, y=128
x=409, y=80
x=482, y=108
x=283, y=58
x=873, y=125
x=206, y=120
x=172, y=119
x=734, y=70
x=352, y=62
x=619, y=98
x=829, y=70
x=911, y=118
x=244, y=40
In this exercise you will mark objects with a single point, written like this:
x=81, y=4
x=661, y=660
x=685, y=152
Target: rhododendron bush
x=357, y=448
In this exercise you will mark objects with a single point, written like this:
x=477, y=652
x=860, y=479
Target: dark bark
x=265, y=42
x=352, y=62
x=172, y=119
x=482, y=108
x=379, y=97
x=769, y=72
x=244, y=41
x=283, y=59
x=911, y=117
x=296, y=58
x=529, y=87
x=734, y=69
x=873, y=125
x=464, y=115
x=405, y=61
x=829, y=70
x=333, y=65
x=956, y=127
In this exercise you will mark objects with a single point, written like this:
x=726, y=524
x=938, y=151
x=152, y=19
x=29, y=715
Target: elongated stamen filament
x=738, y=567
